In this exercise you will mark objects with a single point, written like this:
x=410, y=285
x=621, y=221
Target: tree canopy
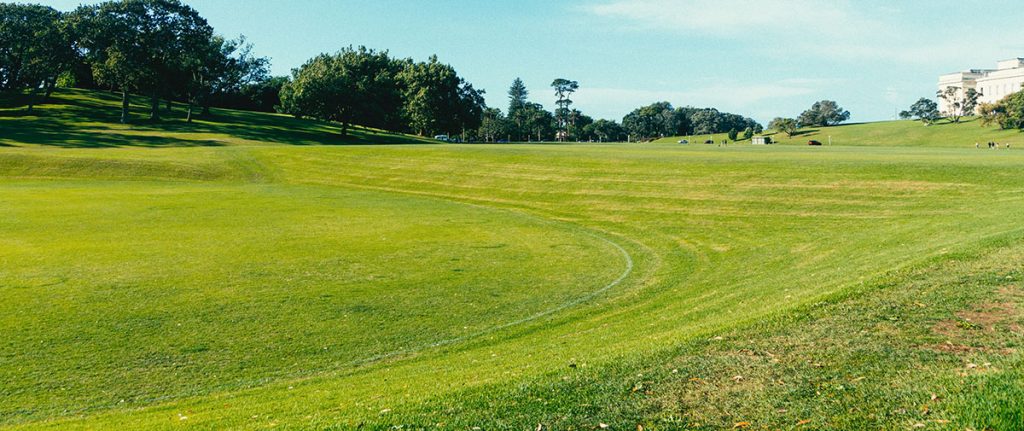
x=823, y=114
x=924, y=110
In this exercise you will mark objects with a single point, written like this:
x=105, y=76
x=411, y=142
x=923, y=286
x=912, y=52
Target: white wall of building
x=993, y=84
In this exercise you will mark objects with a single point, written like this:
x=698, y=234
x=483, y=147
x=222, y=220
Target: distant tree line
x=661, y=119
x=166, y=51
x=159, y=48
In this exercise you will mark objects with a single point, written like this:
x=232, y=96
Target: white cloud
x=828, y=30
x=731, y=18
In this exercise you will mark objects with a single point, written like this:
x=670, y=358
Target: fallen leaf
x=741, y=425
x=603, y=425
x=803, y=422
x=540, y=427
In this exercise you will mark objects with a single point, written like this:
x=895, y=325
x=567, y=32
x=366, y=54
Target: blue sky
x=760, y=58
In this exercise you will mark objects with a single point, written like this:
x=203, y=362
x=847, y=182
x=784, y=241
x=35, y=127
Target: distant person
x=1007, y=146
x=977, y=145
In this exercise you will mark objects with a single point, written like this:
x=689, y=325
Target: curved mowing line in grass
x=626, y=257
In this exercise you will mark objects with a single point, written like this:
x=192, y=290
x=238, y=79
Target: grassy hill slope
x=89, y=119
x=258, y=285
x=895, y=134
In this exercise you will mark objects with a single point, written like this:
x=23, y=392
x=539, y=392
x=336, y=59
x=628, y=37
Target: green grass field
x=891, y=134
x=253, y=272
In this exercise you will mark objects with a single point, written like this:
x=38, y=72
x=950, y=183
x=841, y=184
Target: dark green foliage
x=924, y=110
x=655, y=120
x=783, y=125
x=494, y=126
x=354, y=86
x=1007, y=113
x=823, y=114
x=563, y=115
x=35, y=47
x=733, y=134
x=142, y=45
x=604, y=131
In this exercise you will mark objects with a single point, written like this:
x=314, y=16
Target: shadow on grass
x=91, y=119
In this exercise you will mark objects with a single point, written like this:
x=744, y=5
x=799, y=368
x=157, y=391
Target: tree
x=230, y=66
x=35, y=47
x=139, y=45
x=517, y=101
x=784, y=125
x=433, y=97
x=823, y=114
x=470, y=110
x=655, y=120
x=352, y=86
x=733, y=134
x=604, y=131
x=538, y=121
x=494, y=126
x=958, y=103
x=706, y=121
x=563, y=90
x=1008, y=113
x=924, y=110
x=748, y=133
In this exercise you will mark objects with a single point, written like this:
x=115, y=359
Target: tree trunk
x=124, y=106
x=32, y=99
x=188, y=115
x=50, y=86
x=154, y=111
x=344, y=129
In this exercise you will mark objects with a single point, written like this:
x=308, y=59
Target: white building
x=992, y=84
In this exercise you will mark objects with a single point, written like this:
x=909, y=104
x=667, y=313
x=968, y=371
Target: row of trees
x=160, y=48
x=367, y=87
x=661, y=119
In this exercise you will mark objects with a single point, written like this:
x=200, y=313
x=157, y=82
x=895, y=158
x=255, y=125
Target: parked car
x=684, y=141
x=815, y=143
x=442, y=138
x=709, y=142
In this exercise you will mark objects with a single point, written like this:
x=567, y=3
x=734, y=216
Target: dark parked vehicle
x=709, y=142
x=815, y=143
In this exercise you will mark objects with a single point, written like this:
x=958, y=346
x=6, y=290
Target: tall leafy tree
x=822, y=114
x=564, y=88
x=433, y=97
x=354, y=86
